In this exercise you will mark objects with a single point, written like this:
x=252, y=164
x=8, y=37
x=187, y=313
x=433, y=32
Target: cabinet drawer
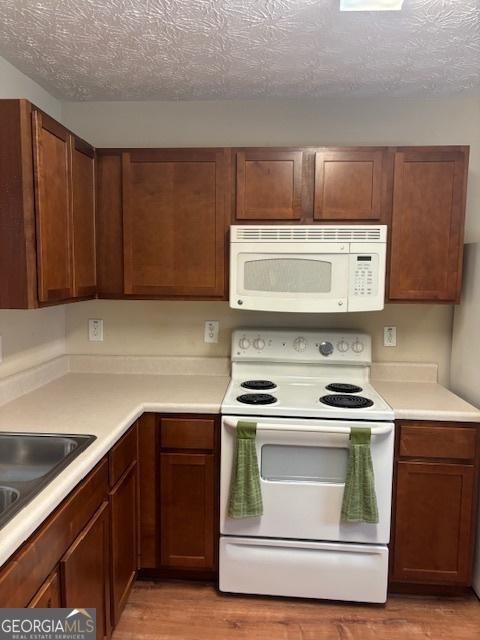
x=122, y=455
x=187, y=434
x=455, y=443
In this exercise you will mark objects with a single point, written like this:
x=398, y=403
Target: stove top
x=306, y=374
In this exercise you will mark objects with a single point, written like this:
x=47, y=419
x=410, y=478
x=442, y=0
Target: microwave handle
x=306, y=428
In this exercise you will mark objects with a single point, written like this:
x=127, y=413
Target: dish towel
x=245, y=491
x=359, y=499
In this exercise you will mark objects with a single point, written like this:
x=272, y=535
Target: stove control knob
x=358, y=346
x=259, y=343
x=300, y=344
x=244, y=343
x=342, y=346
x=326, y=348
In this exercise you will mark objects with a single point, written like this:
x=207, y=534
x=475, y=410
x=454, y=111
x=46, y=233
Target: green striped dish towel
x=245, y=491
x=359, y=498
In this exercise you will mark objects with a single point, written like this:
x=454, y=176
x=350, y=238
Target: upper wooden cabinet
x=348, y=185
x=174, y=222
x=83, y=188
x=47, y=242
x=268, y=184
x=427, y=224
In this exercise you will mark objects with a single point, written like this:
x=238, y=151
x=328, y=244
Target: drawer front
x=455, y=443
x=122, y=455
x=195, y=433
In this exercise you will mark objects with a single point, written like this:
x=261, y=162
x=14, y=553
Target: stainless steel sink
x=28, y=462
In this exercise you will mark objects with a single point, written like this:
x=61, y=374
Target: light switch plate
x=389, y=336
x=95, y=330
x=211, y=331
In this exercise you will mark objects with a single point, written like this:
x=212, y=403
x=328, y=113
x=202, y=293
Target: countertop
x=425, y=401
x=104, y=405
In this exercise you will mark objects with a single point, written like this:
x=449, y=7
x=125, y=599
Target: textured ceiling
x=200, y=49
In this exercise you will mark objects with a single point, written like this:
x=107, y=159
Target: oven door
x=289, y=277
x=303, y=466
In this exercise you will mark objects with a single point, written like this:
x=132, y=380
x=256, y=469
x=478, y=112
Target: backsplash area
x=148, y=327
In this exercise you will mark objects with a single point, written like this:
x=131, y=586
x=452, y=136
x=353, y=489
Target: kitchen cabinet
x=85, y=571
x=427, y=228
x=124, y=520
x=174, y=222
x=48, y=595
x=46, y=210
x=179, y=467
x=268, y=184
x=437, y=467
x=349, y=185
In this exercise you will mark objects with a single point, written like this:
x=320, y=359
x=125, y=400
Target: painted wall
x=289, y=122
x=29, y=337
x=136, y=327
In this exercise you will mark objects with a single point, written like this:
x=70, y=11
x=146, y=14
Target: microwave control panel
x=364, y=279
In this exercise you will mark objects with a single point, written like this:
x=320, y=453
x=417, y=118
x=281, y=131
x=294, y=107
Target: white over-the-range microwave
x=309, y=269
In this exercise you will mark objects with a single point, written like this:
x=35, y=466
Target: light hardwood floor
x=186, y=611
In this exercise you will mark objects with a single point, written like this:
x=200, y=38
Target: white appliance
x=465, y=367
x=321, y=268
x=305, y=390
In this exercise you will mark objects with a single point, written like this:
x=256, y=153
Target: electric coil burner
x=256, y=398
x=342, y=387
x=344, y=401
x=258, y=385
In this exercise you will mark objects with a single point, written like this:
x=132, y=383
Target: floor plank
x=189, y=611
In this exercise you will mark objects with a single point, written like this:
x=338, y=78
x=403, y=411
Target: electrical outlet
x=211, y=331
x=389, y=336
x=95, y=330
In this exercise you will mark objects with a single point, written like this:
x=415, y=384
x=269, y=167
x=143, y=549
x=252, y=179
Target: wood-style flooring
x=174, y=610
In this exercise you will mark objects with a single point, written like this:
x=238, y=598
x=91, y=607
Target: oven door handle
x=375, y=431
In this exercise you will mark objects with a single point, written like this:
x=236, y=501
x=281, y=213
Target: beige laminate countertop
x=104, y=405
x=425, y=401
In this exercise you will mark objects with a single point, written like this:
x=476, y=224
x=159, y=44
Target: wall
x=424, y=332
x=29, y=337
x=136, y=327
x=289, y=122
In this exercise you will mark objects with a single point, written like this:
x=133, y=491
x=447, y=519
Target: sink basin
x=28, y=462
x=8, y=496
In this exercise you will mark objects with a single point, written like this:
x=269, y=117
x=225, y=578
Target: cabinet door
x=48, y=596
x=53, y=203
x=348, y=185
x=434, y=523
x=269, y=184
x=427, y=225
x=123, y=514
x=187, y=510
x=85, y=571
x=174, y=222
x=83, y=185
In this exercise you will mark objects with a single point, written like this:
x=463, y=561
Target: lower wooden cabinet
x=435, y=504
x=85, y=571
x=49, y=594
x=123, y=513
x=187, y=510
x=179, y=469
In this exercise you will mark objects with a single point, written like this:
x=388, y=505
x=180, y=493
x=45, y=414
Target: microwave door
x=296, y=282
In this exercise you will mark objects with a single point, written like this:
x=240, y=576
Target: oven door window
x=294, y=275
x=290, y=463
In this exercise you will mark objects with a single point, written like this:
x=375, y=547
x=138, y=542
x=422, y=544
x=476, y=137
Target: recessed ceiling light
x=371, y=5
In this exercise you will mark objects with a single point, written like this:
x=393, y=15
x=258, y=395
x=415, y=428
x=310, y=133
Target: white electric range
x=305, y=390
